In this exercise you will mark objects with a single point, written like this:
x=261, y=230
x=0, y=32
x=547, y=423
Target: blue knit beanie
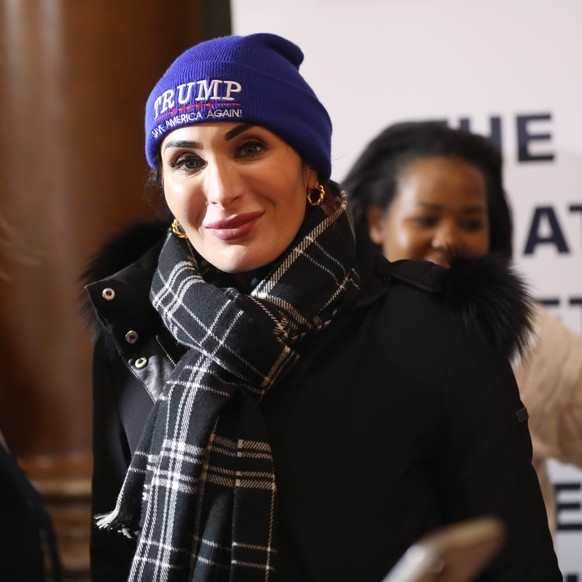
x=252, y=79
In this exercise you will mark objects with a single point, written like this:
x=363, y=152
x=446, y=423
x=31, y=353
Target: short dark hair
x=373, y=179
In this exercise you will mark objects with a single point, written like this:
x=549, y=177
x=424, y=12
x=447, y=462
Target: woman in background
x=426, y=191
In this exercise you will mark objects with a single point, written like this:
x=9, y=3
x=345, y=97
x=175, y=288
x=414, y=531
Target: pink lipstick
x=235, y=227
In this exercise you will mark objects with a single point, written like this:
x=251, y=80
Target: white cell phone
x=455, y=553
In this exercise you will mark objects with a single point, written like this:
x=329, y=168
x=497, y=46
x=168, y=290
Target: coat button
x=131, y=336
x=141, y=363
x=108, y=294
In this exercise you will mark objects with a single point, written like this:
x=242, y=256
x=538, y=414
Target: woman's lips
x=234, y=227
x=440, y=260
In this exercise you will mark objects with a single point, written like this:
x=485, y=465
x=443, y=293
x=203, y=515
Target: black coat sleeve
x=111, y=552
x=485, y=460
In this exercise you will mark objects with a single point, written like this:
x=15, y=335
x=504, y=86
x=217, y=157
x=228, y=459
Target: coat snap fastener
x=108, y=294
x=141, y=363
x=131, y=336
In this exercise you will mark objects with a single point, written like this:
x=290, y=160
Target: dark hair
x=154, y=191
x=373, y=179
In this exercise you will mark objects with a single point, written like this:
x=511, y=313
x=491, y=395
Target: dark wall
x=74, y=78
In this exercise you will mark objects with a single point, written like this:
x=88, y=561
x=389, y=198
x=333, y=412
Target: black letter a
x=555, y=237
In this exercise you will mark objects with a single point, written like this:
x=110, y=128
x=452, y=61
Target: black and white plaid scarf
x=200, y=493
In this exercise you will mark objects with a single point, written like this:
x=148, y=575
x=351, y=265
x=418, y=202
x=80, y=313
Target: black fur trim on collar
x=119, y=252
x=492, y=298
x=486, y=291
x=123, y=249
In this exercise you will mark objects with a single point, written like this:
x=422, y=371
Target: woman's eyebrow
x=182, y=143
x=466, y=210
x=232, y=133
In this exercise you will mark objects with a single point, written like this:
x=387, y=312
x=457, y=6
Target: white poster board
x=505, y=68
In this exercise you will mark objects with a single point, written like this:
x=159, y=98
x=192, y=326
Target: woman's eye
x=473, y=225
x=188, y=162
x=251, y=148
x=425, y=221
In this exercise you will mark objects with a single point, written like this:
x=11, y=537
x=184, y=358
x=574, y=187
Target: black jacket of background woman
x=401, y=416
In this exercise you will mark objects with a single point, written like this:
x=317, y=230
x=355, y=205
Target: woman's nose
x=444, y=237
x=222, y=185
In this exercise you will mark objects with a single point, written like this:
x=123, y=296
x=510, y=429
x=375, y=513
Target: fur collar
x=123, y=249
x=493, y=299
x=486, y=292
x=119, y=252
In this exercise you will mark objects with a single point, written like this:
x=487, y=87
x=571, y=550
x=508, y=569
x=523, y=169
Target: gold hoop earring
x=320, y=190
x=178, y=229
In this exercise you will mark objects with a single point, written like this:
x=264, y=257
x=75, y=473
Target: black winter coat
x=401, y=416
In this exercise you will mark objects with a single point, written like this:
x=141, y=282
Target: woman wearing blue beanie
x=260, y=413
